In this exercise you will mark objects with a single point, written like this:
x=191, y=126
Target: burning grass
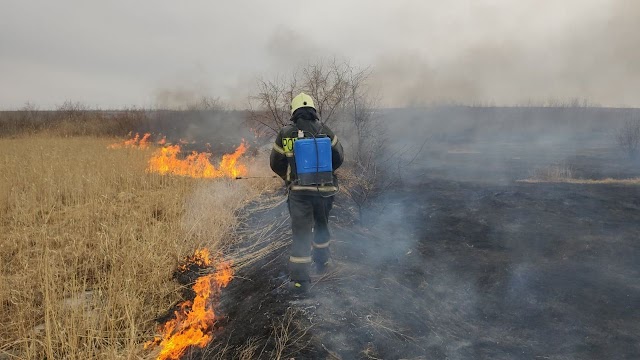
x=193, y=322
x=167, y=160
x=89, y=241
x=135, y=142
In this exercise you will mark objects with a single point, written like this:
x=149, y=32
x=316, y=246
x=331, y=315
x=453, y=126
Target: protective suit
x=309, y=205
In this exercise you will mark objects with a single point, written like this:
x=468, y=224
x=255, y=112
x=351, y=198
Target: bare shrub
x=367, y=172
x=27, y=120
x=327, y=81
x=205, y=103
x=71, y=111
x=344, y=102
x=269, y=108
x=628, y=137
x=71, y=119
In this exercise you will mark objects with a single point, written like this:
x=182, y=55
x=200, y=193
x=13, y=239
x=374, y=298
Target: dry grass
x=289, y=335
x=610, y=181
x=89, y=241
x=564, y=174
x=553, y=173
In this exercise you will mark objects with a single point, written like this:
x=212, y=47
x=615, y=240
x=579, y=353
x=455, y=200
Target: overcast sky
x=124, y=53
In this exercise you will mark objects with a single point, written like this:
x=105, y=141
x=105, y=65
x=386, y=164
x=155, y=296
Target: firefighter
x=310, y=195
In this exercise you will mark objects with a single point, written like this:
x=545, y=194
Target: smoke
x=287, y=48
x=178, y=98
x=423, y=52
x=459, y=261
x=590, y=51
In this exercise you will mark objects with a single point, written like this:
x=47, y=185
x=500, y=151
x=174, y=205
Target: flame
x=135, y=142
x=162, y=141
x=201, y=258
x=197, y=165
x=194, y=321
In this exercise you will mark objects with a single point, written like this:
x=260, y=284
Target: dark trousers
x=310, y=229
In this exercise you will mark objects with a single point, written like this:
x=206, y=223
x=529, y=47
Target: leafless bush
x=344, y=102
x=71, y=111
x=269, y=108
x=327, y=82
x=367, y=172
x=204, y=103
x=628, y=137
x=70, y=119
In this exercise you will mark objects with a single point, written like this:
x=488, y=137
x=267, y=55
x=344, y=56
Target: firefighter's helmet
x=301, y=100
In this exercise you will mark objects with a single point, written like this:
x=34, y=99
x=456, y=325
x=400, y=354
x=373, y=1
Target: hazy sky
x=123, y=53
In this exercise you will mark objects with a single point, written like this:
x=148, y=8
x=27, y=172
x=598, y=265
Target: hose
x=255, y=177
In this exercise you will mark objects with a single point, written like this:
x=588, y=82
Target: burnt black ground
x=463, y=271
x=524, y=271
x=462, y=262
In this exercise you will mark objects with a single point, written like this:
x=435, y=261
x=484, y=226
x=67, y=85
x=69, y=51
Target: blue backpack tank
x=313, y=161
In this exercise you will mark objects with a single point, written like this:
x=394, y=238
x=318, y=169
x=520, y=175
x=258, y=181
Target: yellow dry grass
x=89, y=241
x=562, y=173
x=610, y=181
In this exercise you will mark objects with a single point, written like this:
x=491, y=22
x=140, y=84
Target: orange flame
x=201, y=258
x=194, y=321
x=197, y=165
x=135, y=142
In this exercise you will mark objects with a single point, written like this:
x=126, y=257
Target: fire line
x=194, y=321
x=167, y=161
x=136, y=142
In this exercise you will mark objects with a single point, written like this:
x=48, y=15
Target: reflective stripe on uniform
x=314, y=188
x=300, y=260
x=289, y=154
x=321, y=246
x=335, y=140
x=278, y=149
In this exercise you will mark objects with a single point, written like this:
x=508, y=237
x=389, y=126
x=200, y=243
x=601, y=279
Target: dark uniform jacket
x=304, y=119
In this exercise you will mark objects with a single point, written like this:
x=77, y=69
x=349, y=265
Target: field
x=463, y=270
x=90, y=241
x=464, y=259
x=499, y=242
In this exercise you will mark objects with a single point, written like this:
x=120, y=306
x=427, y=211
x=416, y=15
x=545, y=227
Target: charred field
x=468, y=271
x=512, y=235
x=461, y=260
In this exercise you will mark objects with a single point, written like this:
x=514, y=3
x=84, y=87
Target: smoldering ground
x=461, y=262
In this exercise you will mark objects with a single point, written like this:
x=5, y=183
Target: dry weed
x=89, y=241
x=607, y=181
x=289, y=335
x=553, y=173
x=564, y=174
